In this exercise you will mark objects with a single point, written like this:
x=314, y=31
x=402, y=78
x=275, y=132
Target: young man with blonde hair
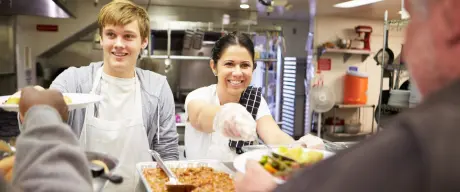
x=137, y=108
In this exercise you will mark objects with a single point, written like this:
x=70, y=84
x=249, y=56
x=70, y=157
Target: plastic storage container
x=355, y=88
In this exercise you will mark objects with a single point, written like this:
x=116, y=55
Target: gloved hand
x=310, y=141
x=235, y=122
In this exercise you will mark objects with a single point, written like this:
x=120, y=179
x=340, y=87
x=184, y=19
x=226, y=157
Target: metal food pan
x=216, y=165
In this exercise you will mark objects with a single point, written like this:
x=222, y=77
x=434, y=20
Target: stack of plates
x=415, y=96
x=399, y=98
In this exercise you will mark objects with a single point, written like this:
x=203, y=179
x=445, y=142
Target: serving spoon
x=173, y=185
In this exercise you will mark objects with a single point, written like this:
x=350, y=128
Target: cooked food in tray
x=283, y=168
x=204, y=178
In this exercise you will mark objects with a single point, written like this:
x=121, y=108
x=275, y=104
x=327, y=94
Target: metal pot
x=344, y=43
x=353, y=128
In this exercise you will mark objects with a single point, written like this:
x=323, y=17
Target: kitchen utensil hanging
x=188, y=36
x=198, y=39
x=389, y=55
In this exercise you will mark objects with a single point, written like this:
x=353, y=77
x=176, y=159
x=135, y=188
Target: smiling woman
x=224, y=117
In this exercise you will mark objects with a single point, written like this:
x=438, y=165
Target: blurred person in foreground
x=418, y=150
x=48, y=156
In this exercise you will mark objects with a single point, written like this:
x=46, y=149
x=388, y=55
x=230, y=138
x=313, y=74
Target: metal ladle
x=173, y=185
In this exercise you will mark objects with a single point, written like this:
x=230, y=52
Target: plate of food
x=73, y=100
x=205, y=175
x=280, y=168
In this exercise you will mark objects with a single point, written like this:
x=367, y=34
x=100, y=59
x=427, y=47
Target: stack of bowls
x=399, y=98
x=415, y=96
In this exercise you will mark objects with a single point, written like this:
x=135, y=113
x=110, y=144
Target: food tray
x=216, y=165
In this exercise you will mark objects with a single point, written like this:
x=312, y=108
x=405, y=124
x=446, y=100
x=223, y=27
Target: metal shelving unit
x=344, y=106
x=347, y=53
x=397, y=24
x=294, y=97
x=261, y=61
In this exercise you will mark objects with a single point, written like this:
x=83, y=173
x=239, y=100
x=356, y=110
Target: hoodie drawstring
x=158, y=125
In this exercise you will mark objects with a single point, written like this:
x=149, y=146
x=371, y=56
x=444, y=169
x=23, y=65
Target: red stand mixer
x=366, y=30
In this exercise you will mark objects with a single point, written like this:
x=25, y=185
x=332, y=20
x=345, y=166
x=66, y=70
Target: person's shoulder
x=87, y=70
x=204, y=93
x=153, y=83
x=148, y=75
x=77, y=76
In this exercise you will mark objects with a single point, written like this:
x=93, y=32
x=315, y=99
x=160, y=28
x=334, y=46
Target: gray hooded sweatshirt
x=157, y=102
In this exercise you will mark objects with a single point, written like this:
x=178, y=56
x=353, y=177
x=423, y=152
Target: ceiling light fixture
x=244, y=4
x=355, y=3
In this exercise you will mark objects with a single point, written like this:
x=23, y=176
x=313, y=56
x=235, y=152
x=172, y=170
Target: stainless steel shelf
x=352, y=106
x=186, y=57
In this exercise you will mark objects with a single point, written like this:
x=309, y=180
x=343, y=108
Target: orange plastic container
x=355, y=88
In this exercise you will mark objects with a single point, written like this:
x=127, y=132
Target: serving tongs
x=173, y=185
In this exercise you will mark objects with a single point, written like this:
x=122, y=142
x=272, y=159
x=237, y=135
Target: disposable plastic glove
x=235, y=122
x=310, y=141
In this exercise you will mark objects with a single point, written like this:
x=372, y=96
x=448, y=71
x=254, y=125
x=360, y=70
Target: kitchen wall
x=295, y=35
x=331, y=28
x=38, y=42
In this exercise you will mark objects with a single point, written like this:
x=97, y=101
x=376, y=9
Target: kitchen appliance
x=355, y=88
x=43, y=8
x=364, y=33
x=343, y=43
x=322, y=99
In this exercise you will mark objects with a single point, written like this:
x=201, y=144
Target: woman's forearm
x=270, y=132
x=279, y=138
x=201, y=115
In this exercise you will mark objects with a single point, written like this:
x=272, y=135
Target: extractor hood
x=44, y=8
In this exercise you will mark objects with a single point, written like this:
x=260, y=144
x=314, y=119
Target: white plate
x=240, y=161
x=216, y=165
x=79, y=100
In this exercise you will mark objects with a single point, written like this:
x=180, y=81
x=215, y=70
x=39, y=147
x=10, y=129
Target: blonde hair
x=123, y=12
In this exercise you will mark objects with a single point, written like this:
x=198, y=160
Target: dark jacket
x=48, y=156
x=419, y=150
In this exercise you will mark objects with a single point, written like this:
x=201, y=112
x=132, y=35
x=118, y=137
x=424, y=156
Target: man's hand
x=256, y=179
x=31, y=96
x=6, y=167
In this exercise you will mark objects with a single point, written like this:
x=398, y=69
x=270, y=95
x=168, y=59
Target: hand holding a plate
x=31, y=96
x=309, y=141
x=256, y=179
